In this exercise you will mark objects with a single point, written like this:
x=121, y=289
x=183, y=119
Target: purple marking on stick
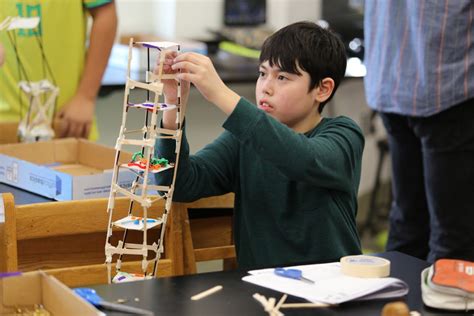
x=9, y=274
x=149, y=105
x=150, y=46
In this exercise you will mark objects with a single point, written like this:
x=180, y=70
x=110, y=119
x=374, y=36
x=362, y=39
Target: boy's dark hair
x=316, y=50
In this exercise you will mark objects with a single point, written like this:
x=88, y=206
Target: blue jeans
x=432, y=213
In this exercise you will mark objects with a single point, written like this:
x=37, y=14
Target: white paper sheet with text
x=330, y=285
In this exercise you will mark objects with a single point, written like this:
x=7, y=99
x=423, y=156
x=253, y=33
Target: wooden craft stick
x=304, y=305
x=206, y=292
x=261, y=299
x=270, y=304
x=281, y=301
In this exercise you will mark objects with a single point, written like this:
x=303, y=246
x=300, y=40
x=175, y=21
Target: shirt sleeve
x=207, y=173
x=91, y=4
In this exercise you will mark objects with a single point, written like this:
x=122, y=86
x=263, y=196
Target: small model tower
x=144, y=164
x=37, y=123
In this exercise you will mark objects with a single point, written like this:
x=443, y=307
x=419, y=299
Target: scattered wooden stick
x=276, y=310
x=206, y=293
x=269, y=305
x=261, y=299
x=281, y=301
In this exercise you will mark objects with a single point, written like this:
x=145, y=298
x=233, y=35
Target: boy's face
x=285, y=97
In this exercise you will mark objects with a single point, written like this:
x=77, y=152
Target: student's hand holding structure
x=170, y=90
x=199, y=70
x=170, y=87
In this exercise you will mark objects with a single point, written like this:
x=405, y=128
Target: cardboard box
x=62, y=169
x=36, y=287
x=9, y=134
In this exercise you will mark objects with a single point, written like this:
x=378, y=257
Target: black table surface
x=171, y=295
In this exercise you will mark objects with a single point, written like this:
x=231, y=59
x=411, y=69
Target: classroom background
x=181, y=21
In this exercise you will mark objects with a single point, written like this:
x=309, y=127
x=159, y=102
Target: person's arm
x=211, y=171
x=77, y=115
x=328, y=158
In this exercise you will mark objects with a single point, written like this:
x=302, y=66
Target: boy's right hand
x=170, y=90
x=199, y=70
x=170, y=86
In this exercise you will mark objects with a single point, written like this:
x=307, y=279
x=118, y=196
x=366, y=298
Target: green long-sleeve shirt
x=295, y=194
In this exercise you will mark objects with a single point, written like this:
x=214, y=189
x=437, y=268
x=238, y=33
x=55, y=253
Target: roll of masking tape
x=365, y=266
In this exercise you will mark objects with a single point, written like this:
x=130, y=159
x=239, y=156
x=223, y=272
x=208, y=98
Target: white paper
x=135, y=223
x=330, y=285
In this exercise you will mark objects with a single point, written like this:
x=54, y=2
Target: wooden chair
x=67, y=239
x=207, y=237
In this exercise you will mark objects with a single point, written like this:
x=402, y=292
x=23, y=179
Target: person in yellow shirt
x=68, y=62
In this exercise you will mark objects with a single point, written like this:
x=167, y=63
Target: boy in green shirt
x=295, y=173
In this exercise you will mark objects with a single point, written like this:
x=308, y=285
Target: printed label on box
x=28, y=176
x=58, y=185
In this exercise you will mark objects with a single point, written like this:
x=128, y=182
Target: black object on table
x=171, y=295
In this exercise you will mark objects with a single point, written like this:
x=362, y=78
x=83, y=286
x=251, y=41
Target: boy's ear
x=323, y=91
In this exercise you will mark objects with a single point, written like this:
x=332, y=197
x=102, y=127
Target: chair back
x=67, y=239
x=207, y=226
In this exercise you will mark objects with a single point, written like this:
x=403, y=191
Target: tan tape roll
x=365, y=266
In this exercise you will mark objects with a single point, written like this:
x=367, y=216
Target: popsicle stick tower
x=144, y=164
x=42, y=95
x=37, y=123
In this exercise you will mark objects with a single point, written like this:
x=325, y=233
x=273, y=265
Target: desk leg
x=8, y=240
x=3, y=252
x=188, y=247
x=174, y=240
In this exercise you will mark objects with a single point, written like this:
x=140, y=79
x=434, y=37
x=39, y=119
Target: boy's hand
x=170, y=90
x=170, y=86
x=199, y=70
